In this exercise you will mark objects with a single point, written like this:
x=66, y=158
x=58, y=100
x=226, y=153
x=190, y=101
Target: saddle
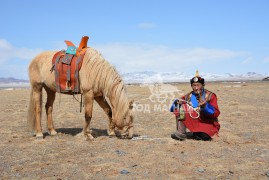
x=66, y=65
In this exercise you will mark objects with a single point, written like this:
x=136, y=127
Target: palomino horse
x=98, y=81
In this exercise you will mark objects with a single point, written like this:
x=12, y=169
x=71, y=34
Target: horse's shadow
x=75, y=131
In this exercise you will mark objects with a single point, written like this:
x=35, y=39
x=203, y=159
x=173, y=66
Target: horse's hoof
x=89, y=137
x=39, y=136
x=111, y=133
x=52, y=132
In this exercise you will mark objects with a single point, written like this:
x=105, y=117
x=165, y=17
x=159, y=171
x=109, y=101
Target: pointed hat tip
x=197, y=73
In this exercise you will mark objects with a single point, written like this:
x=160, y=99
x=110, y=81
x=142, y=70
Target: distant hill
x=12, y=80
x=149, y=76
x=266, y=79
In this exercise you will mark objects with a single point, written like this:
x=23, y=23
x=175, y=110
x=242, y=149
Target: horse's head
x=125, y=126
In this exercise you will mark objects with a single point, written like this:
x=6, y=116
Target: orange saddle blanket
x=66, y=68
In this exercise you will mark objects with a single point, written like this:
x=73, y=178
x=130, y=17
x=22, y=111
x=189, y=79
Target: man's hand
x=177, y=101
x=202, y=102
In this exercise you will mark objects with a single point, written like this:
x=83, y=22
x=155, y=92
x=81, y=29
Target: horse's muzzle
x=128, y=133
x=131, y=132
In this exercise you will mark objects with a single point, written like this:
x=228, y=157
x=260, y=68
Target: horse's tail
x=31, y=118
x=31, y=113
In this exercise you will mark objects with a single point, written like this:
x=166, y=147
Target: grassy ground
x=240, y=152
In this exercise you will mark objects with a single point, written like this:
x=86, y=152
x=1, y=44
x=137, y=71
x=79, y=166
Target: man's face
x=197, y=87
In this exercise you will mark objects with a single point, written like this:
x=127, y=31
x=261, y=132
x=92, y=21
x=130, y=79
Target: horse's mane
x=105, y=78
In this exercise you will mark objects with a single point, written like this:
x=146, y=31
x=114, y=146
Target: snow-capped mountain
x=151, y=77
x=156, y=77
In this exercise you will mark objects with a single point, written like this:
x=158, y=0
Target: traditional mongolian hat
x=197, y=78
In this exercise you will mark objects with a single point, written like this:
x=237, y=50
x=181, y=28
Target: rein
x=80, y=102
x=190, y=107
x=195, y=110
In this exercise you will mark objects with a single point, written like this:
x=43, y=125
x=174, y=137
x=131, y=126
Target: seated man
x=197, y=111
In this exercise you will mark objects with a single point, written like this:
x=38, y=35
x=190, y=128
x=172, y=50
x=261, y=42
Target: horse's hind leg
x=88, y=101
x=105, y=106
x=37, y=98
x=49, y=108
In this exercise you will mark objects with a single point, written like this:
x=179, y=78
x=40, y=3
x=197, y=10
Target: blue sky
x=225, y=36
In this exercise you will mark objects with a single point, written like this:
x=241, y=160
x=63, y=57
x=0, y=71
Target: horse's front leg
x=88, y=102
x=49, y=108
x=105, y=106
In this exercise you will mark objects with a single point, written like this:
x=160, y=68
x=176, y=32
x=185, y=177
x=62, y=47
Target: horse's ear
x=131, y=104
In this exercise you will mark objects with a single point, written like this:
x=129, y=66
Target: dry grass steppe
x=240, y=152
